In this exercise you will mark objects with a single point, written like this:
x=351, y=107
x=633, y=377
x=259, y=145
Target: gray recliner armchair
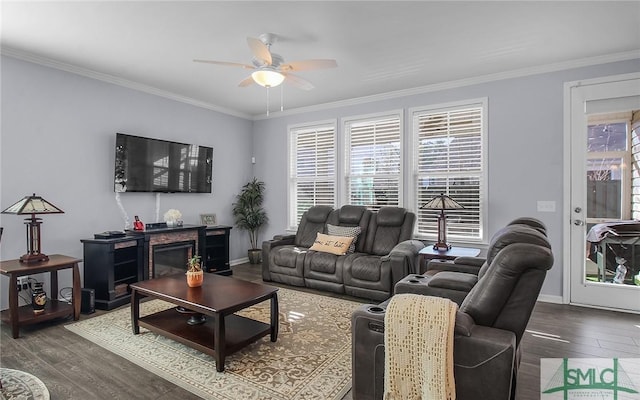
x=454, y=280
x=472, y=265
x=489, y=326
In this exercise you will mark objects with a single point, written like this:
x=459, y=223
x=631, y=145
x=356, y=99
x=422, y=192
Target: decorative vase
x=195, y=278
x=172, y=224
x=38, y=298
x=255, y=256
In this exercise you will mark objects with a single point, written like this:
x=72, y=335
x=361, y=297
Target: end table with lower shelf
x=24, y=315
x=429, y=253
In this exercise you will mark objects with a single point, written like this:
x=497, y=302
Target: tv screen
x=153, y=165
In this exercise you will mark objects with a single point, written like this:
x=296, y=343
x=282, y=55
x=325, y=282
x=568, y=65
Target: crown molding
x=47, y=62
x=518, y=73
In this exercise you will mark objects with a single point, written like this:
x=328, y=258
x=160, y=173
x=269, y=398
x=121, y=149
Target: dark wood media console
x=111, y=265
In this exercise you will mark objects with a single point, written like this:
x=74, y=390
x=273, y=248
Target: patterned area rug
x=310, y=360
x=21, y=385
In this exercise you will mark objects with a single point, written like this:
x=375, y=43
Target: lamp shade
x=267, y=77
x=442, y=202
x=32, y=205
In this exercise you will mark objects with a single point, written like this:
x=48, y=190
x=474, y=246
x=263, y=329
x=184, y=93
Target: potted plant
x=195, y=275
x=250, y=216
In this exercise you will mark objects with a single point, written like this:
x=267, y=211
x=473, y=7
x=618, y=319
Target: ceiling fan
x=269, y=69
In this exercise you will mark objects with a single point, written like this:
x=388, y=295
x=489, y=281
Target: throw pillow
x=348, y=231
x=337, y=245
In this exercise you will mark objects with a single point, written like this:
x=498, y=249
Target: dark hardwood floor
x=74, y=368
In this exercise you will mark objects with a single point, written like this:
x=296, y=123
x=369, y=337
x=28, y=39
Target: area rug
x=310, y=360
x=21, y=385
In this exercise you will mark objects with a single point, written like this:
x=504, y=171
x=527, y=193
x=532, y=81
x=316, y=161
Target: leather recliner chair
x=489, y=326
x=455, y=280
x=472, y=265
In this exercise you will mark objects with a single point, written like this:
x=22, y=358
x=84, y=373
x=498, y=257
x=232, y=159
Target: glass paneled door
x=605, y=193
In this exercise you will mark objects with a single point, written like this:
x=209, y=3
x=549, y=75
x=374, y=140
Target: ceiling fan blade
x=246, y=81
x=260, y=51
x=298, y=82
x=307, y=65
x=225, y=63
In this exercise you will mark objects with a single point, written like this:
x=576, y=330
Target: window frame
x=292, y=197
x=412, y=178
x=346, y=150
x=626, y=194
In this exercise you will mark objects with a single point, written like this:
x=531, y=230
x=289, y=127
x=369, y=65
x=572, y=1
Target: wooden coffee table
x=218, y=298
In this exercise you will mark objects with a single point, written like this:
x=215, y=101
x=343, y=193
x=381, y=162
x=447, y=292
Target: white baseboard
x=548, y=298
x=239, y=261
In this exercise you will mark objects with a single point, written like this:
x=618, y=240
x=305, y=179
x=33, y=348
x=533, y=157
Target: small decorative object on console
x=137, y=224
x=172, y=217
x=195, y=275
x=38, y=298
x=208, y=219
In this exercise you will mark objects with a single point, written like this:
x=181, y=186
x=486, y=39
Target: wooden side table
x=54, y=308
x=428, y=253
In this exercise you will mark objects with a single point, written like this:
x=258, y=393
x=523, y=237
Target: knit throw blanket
x=418, y=341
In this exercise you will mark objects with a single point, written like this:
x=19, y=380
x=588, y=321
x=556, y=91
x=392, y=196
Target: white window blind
x=449, y=160
x=373, y=159
x=312, y=169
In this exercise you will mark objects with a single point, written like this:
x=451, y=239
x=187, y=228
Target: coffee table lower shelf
x=238, y=331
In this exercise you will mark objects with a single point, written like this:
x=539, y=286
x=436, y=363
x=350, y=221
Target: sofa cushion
x=286, y=256
x=337, y=245
x=348, y=231
x=324, y=263
x=366, y=268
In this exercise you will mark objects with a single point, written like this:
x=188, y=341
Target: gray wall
x=58, y=138
x=525, y=148
x=58, y=133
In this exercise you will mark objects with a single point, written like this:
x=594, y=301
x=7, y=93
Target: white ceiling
x=380, y=47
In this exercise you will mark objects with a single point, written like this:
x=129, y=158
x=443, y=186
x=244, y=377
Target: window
x=312, y=168
x=611, y=162
x=373, y=161
x=449, y=158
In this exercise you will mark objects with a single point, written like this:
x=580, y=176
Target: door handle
x=578, y=222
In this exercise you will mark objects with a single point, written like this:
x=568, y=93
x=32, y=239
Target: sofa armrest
x=267, y=246
x=290, y=236
x=470, y=261
x=454, y=286
x=435, y=266
x=454, y=281
x=485, y=355
x=405, y=259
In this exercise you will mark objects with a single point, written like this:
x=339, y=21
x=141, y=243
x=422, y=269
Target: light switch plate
x=546, y=206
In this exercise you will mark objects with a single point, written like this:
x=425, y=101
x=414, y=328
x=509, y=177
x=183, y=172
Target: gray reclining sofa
x=384, y=252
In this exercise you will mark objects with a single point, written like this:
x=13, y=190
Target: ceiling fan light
x=267, y=78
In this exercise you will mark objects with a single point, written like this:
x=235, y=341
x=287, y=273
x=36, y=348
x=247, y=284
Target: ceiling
x=380, y=47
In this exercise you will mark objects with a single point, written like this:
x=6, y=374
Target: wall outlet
x=23, y=283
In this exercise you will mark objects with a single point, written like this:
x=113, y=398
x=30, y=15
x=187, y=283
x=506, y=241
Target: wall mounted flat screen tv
x=152, y=165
